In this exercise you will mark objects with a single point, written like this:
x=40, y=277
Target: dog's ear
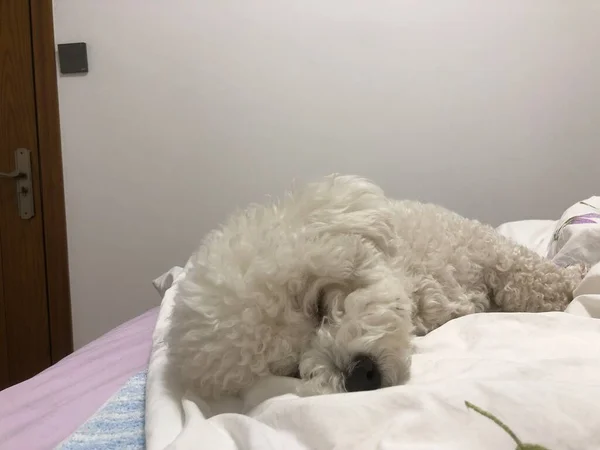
x=376, y=225
x=345, y=205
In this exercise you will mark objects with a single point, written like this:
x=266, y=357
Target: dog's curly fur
x=336, y=270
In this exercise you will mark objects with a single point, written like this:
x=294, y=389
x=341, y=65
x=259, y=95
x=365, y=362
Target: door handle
x=14, y=174
x=22, y=176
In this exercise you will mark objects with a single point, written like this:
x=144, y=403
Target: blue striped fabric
x=119, y=424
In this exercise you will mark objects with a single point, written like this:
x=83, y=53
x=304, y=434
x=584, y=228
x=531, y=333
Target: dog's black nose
x=363, y=375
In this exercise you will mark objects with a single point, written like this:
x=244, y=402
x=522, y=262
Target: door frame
x=51, y=178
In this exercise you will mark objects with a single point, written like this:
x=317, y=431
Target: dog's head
x=302, y=286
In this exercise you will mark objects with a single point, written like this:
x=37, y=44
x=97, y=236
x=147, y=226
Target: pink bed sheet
x=44, y=410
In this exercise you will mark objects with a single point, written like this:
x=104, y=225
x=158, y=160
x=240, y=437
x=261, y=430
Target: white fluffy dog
x=330, y=283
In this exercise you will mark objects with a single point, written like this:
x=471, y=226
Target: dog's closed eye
x=321, y=307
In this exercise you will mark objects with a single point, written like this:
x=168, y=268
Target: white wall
x=194, y=107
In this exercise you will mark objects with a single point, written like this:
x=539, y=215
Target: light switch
x=72, y=58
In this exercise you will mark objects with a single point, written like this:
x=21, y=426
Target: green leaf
x=520, y=445
x=530, y=447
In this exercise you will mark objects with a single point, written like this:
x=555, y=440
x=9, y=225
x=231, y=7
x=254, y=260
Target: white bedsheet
x=538, y=373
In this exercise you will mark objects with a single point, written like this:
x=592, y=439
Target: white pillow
x=573, y=239
x=576, y=237
x=533, y=234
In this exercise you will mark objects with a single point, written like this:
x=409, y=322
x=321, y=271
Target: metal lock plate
x=22, y=177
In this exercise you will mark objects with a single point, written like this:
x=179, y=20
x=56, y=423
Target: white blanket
x=538, y=373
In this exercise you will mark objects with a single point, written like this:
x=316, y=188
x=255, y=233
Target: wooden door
x=31, y=335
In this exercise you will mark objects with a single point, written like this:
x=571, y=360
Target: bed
x=114, y=392
x=42, y=411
